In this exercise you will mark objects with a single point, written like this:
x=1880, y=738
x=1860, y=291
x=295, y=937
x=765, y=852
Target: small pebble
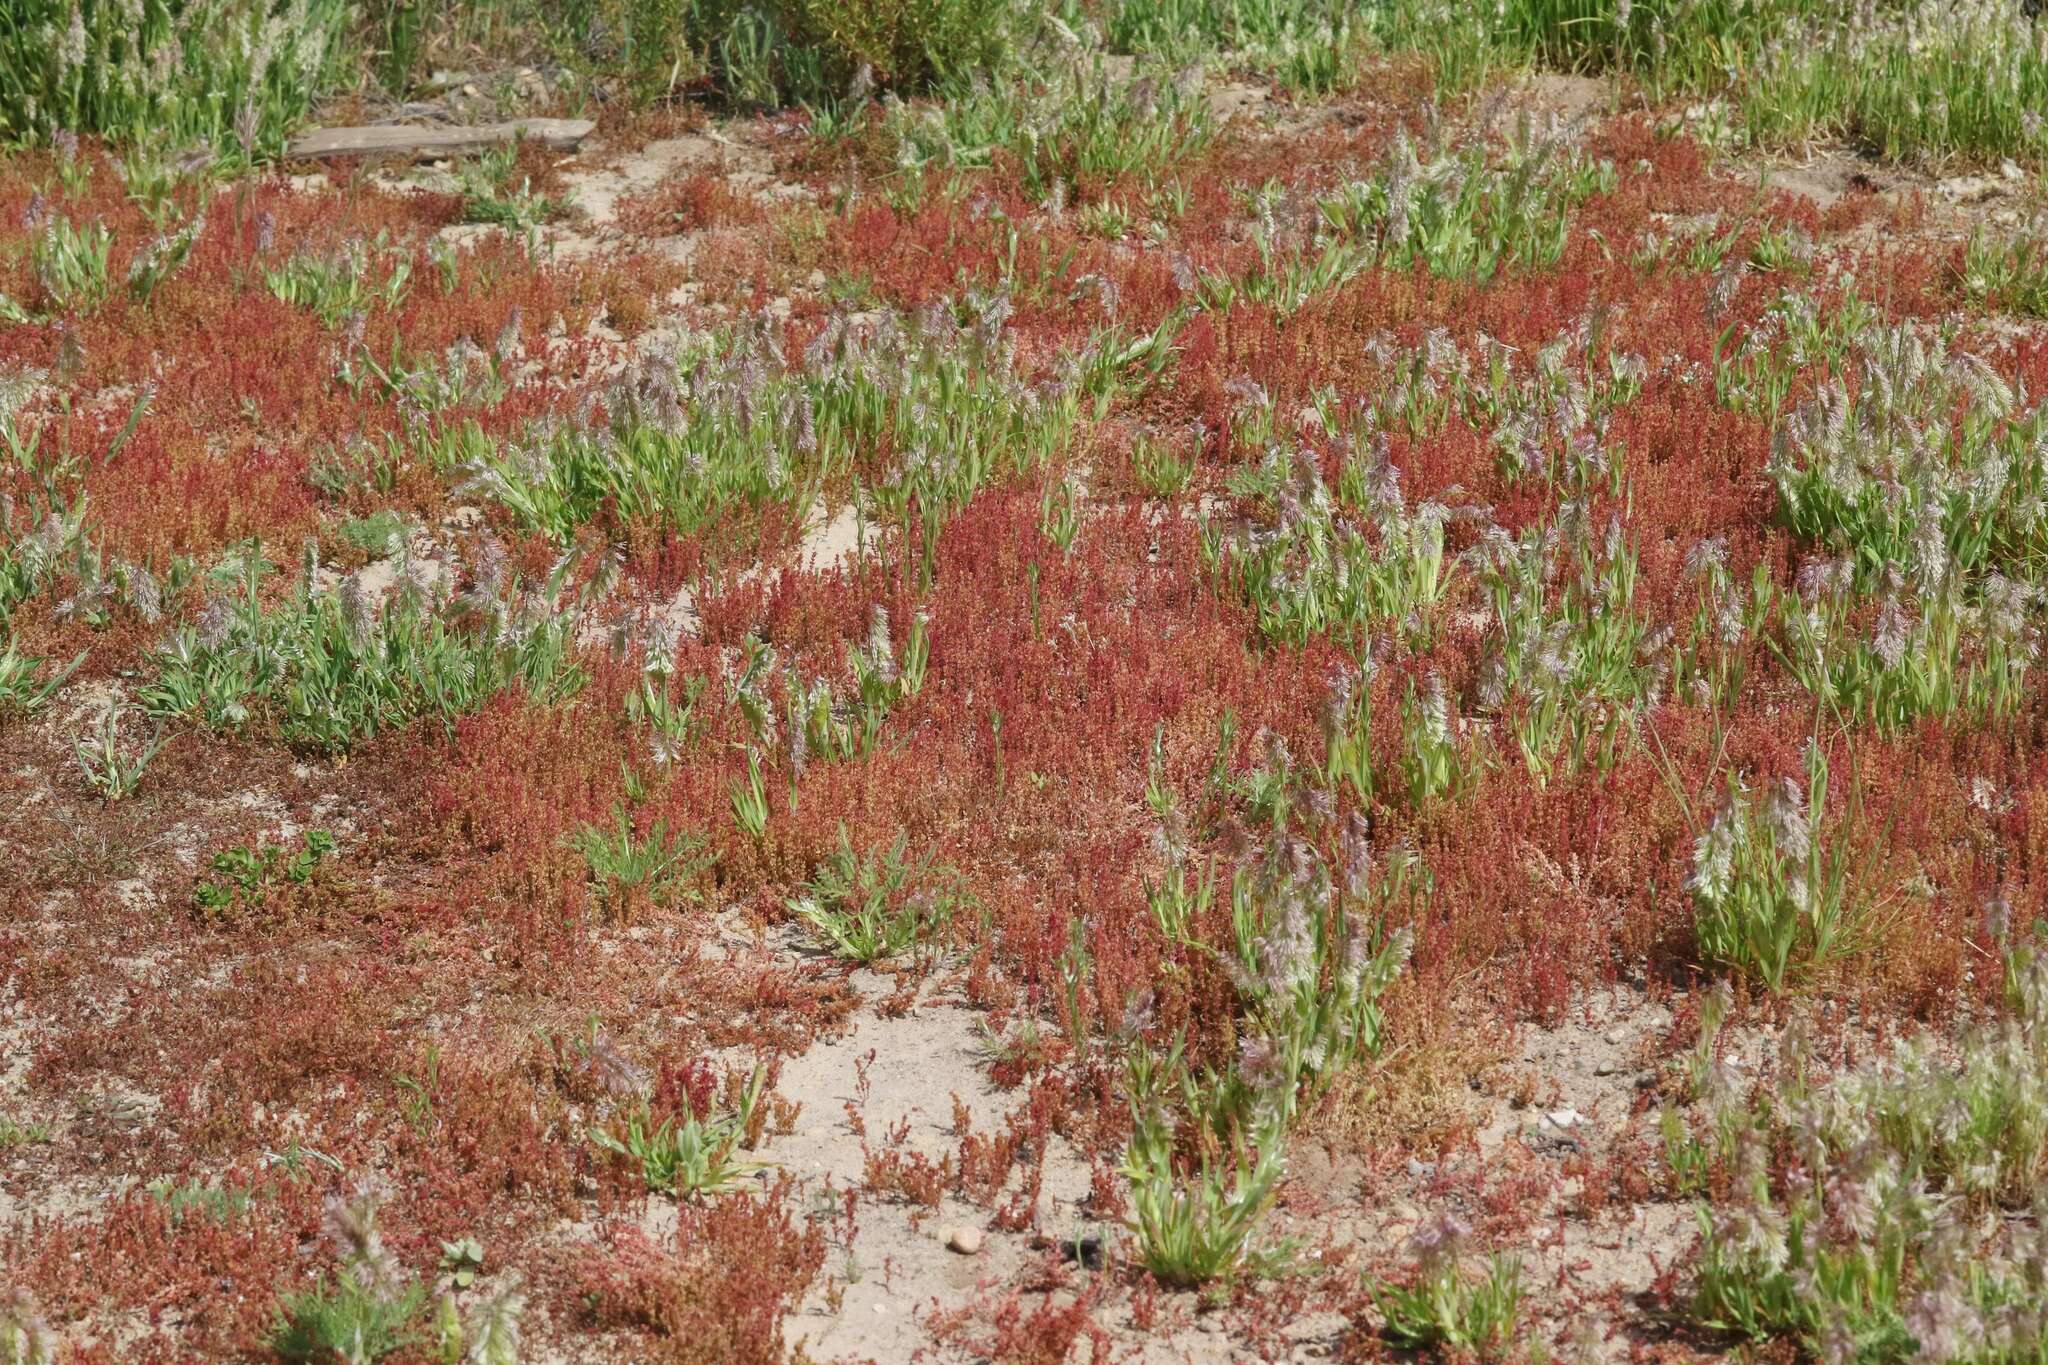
x=1616, y=1035
x=965, y=1240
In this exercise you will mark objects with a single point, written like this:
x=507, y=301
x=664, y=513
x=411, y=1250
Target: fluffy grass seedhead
x=1883, y=1230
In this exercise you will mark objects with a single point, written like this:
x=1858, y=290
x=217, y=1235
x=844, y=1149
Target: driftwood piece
x=424, y=143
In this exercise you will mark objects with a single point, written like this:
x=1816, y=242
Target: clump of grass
x=1291, y=267
x=1310, y=47
x=2011, y=271
x=372, y=1308
x=1909, y=79
x=1311, y=961
x=688, y=1152
x=1776, y=895
x=750, y=798
x=1323, y=568
x=1070, y=120
x=1874, y=1229
x=1470, y=212
x=813, y=51
x=1936, y=653
x=870, y=908
x=1195, y=1222
x=818, y=721
x=630, y=868
x=1547, y=412
x=346, y=1320
x=26, y=685
x=822, y=723
x=364, y=1313
x=25, y=1339
x=489, y=196
x=1925, y=467
x=71, y=270
x=14, y=1133
x=329, y=672
x=1347, y=733
x=42, y=525
x=1923, y=487
x=827, y=55
x=343, y=283
x=1442, y=1306
x=1308, y=979
x=113, y=763
x=237, y=73
x=1572, y=669
x=1756, y=371
x=490, y=1335
x=735, y=426
x=1160, y=468
x=1708, y=664
x=219, y=1203
x=1436, y=762
x=161, y=257
x=668, y=711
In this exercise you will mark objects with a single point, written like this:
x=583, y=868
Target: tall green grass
x=814, y=50
x=230, y=72
x=241, y=73
x=1905, y=77
x=1310, y=47
x=751, y=52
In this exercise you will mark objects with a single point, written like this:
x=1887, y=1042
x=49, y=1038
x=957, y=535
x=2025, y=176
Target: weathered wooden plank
x=422, y=143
